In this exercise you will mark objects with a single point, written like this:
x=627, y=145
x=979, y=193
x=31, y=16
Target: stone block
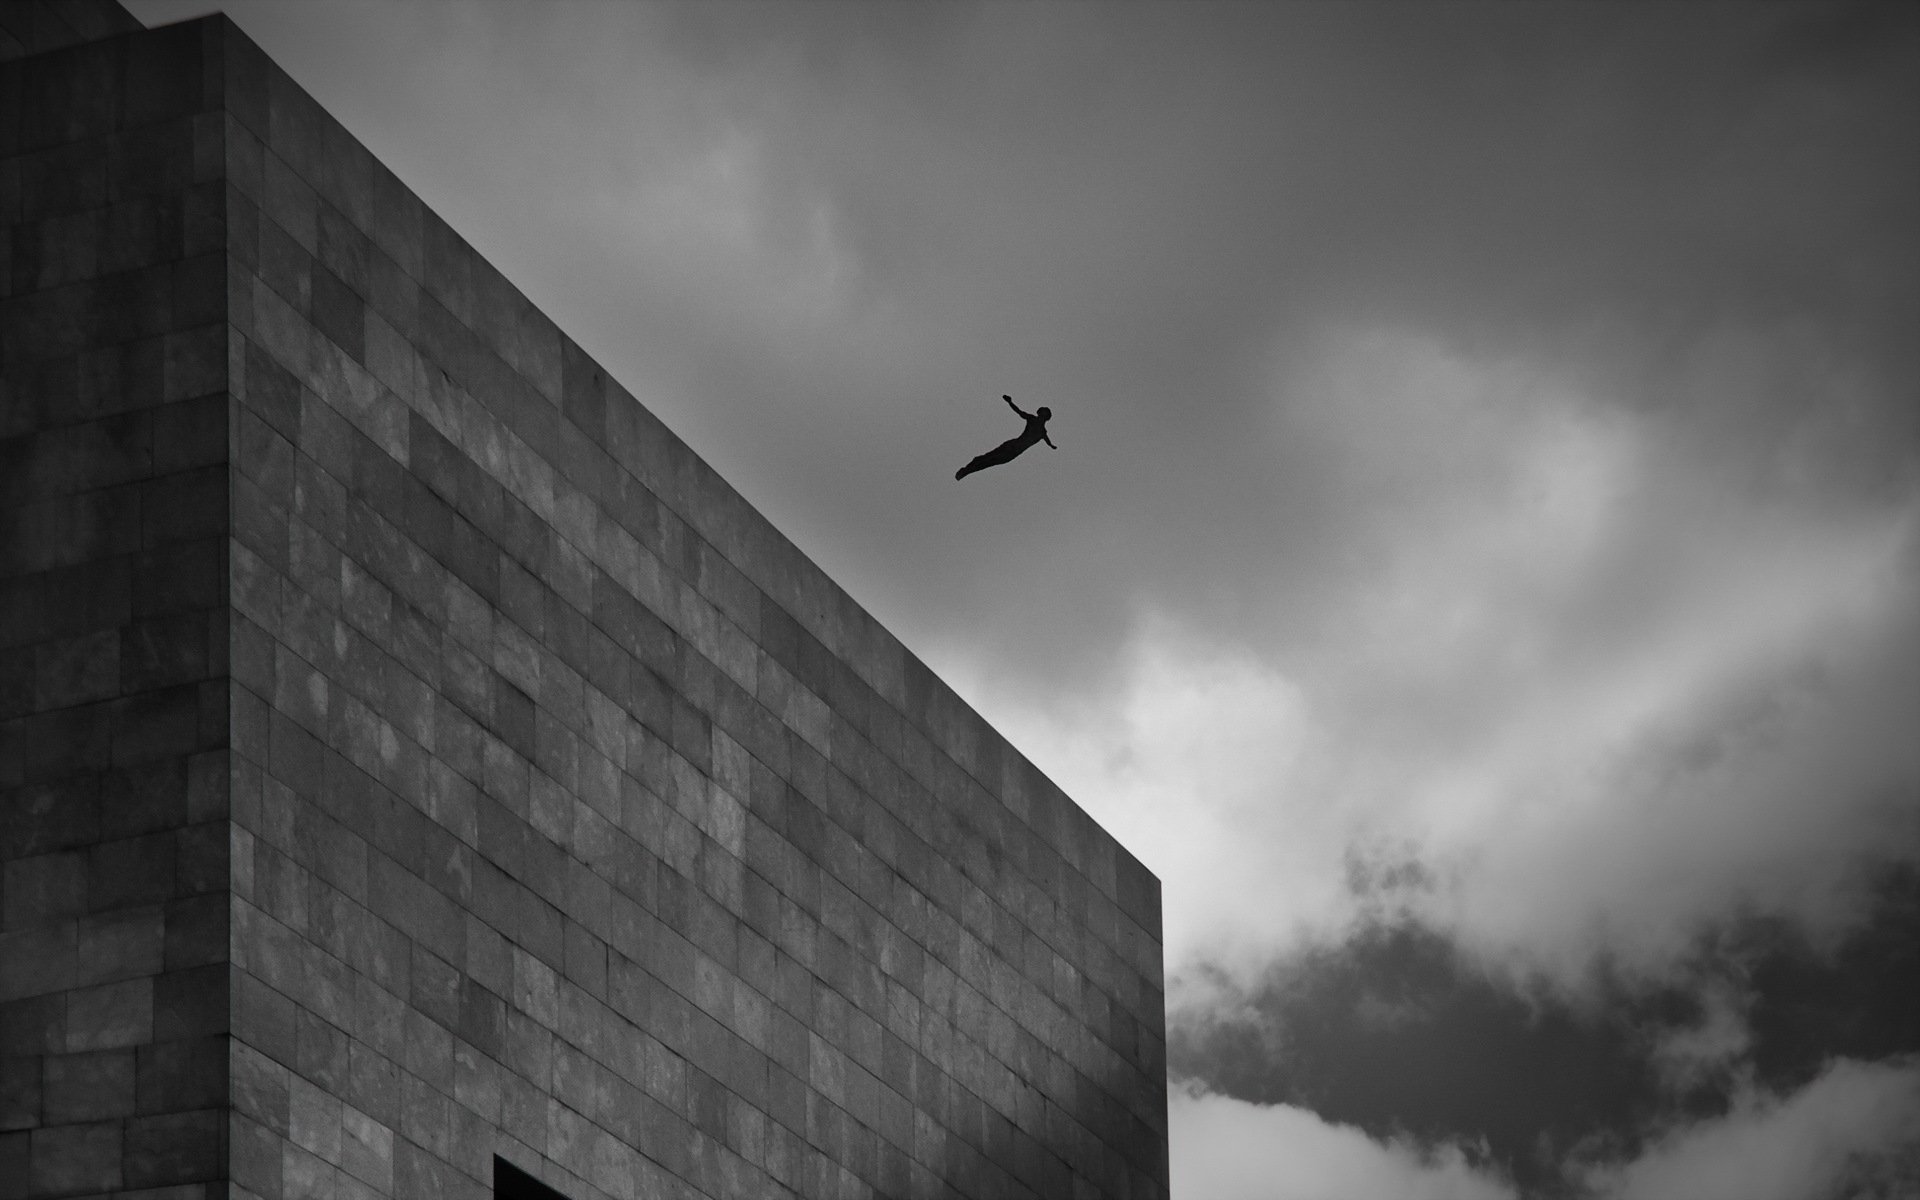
x=272, y=391
x=33, y=1025
x=367, y=1149
x=178, y=577
x=193, y=432
x=78, y=1088
x=170, y=75
x=254, y=1158
x=131, y=871
x=261, y=1087
x=192, y=1002
x=67, y=177
x=323, y=1053
x=262, y=1017
x=339, y=313
x=69, y=530
x=314, y=1119
x=188, y=506
x=21, y=1104
x=120, y=944
x=68, y=1159
x=189, y=1074
x=295, y=756
x=284, y=265
x=42, y=889
x=73, y=458
x=164, y=651
x=288, y=199
x=66, y=96
x=110, y=1016
x=174, y=1147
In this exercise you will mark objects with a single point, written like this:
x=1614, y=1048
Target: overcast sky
x=1478, y=572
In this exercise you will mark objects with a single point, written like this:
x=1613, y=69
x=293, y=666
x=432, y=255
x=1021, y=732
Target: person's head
x=1044, y=413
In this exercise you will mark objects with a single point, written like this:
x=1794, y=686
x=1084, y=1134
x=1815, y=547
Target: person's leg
x=978, y=462
x=1005, y=452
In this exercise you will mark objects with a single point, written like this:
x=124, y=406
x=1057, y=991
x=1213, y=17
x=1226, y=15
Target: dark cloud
x=1398, y=1032
x=1395, y=1033
x=1134, y=215
x=1131, y=212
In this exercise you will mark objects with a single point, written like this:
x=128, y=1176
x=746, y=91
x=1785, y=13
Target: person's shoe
x=960, y=474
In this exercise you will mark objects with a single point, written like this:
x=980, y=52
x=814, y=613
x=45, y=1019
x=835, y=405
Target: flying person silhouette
x=1012, y=448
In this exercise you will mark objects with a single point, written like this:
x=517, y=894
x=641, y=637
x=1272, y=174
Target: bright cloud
x=1190, y=768
x=1592, y=693
x=1855, y=1130
x=1226, y=1149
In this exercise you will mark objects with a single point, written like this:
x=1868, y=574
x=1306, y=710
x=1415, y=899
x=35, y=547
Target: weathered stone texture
x=113, y=609
x=571, y=814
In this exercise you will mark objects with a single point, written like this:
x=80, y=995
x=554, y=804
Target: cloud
x=1197, y=763
x=821, y=243
x=1397, y=1036
x=1226, y=1149
x=1854, y=1130
x=1568, y=689
x=1713, y=1048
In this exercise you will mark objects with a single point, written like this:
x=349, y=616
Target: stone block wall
x=570, y=815
x=113, y=615
x=36, y=26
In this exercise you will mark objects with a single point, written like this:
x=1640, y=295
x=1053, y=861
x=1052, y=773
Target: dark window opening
x=511, y=1183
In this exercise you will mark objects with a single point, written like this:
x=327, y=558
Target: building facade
x=422, y=776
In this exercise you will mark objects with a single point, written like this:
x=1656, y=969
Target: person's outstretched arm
x=1015, y=407
x=1047, y=440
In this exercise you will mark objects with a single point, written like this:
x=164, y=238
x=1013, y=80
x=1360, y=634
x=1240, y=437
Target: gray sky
x=1478, y=572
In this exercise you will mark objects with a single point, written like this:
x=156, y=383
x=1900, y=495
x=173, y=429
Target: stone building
x=421, y=776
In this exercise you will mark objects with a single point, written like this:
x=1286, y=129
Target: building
x=422, y=776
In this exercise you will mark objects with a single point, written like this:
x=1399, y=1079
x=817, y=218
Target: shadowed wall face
x=575, y=817
x=113, y=611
